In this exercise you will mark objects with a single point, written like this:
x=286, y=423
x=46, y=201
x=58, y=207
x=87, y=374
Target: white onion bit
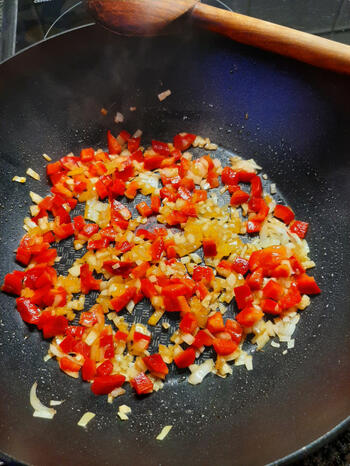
x=40, y=410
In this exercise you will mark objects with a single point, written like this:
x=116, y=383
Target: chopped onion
x=40, y=410
x=33, y=174
x=200, y=371
x=164, y=432
x=19, y=179
x=85, y=419
x=56, y=402
x=163, y=95
x=119, y=118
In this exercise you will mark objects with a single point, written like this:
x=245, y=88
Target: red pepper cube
x=161, y=148
x=307, y=284
x=299, y=228
x=188, y=323
x=291, y=298
x=202, y=338
x=234, y=329
x=106, y=384
x=209, y=248
x=269, y=306
x=240, y=265
x=215, y=323
x=284, y=213
x=87, y=155
x=67, y=365
x=105, y=368
x=224, y=347
x=229, y=176
x=142, y=384
x=243, y=296
x=119, y=302
x=256, y=187
x=28, y=311
x=186, y=358
x=202, y=273
x=239, y=197
x=144, y=210
x=13, y=282
x=255, y=280
x=156, y=365
x=113, y=145
x=183, y=141
x=88, y=371
x=273, y=290
x=249, y=316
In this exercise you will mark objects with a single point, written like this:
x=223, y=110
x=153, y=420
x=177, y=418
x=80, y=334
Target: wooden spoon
x=153, y=17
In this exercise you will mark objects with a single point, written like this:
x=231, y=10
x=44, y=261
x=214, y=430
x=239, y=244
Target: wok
x=294, y=120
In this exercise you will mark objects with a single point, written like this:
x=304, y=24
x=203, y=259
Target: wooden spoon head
x=139, y=17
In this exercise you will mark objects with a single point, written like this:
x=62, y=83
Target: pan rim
x=303, y=451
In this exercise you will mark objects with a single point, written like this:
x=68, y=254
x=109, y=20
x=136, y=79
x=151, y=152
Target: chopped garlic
x=33, y=174
x=35, y=197
x=119, y=118
x=85, y=419
x=164, y=432
x=123, y=411
x=19, y=179
x=163, y=95
x=47, y=157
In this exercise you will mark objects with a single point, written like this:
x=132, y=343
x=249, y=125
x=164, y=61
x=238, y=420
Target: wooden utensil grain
x=153, y=17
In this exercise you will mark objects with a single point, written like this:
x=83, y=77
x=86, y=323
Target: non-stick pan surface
x=295, y=122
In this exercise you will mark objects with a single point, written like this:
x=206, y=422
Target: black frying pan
x=297, y=128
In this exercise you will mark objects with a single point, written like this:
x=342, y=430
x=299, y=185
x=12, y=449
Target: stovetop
x=26, y=22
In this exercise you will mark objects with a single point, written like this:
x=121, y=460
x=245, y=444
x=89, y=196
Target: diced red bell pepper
x=255, y=280
x=82, y=348
x=104, y=369
x=267, y=258
x=256, y=186
x=183, y=304
x=68, y=365
x=243, y=296
x=229, y=176
x=171, y=304
x=281, y=271
x=13, y=282
x=161, y=148
x=152, y=162
x=307, y=284
x=117, y=188
x=23, y=255
x=124, y=135
x=174, y=290
x=140, y=270
x=101, y=189
x=284, y=213
x=201, y=290
x=157, y=248
x=75, y=331
x=148, y=288
x=87, y=155
x=249, y=316
x=273, y=290
x=209, y=248
x=156, y=365
x=296, y=266
x=183, y=141
x=224, y=347
x=199, y=195
x=98, y=243
x=240, y=265
x=122, y=268
x=89, y=229
x=64, y=230
x=53, y=326
x=186, y=358
x=119, y=302
x=79, y=222
x=291, y=298
x=245, y=177
x=28, y=311
x=269, y=306
x=113, y=145
x=121, y=336
x=253, y=226
x=144, y=210
x=202, y=273
x=106, y=342
x=133, y=144
x=88, y=371
x=215, y=323
x=87, y=281
x=299, y=228
x=106, y=384
x=184, y=193
x=239, y=197
x=142, y=384
x=67, y=344
x=202, y=339
x=234, y=329
x=187, y=183
x=261, y=209
x=88, y=319
x=54, y=167
x=188, y=323
x=46, y=257
x=155, y=203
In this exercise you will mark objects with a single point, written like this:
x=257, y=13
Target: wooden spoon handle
x=302, y=46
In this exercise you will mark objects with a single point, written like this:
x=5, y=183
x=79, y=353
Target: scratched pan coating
x=294, y=121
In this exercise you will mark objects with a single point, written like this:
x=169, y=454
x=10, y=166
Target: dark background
x=25, y=22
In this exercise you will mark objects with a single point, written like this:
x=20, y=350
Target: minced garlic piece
x=164, y=432
x=33, y=174
x=19, y=179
